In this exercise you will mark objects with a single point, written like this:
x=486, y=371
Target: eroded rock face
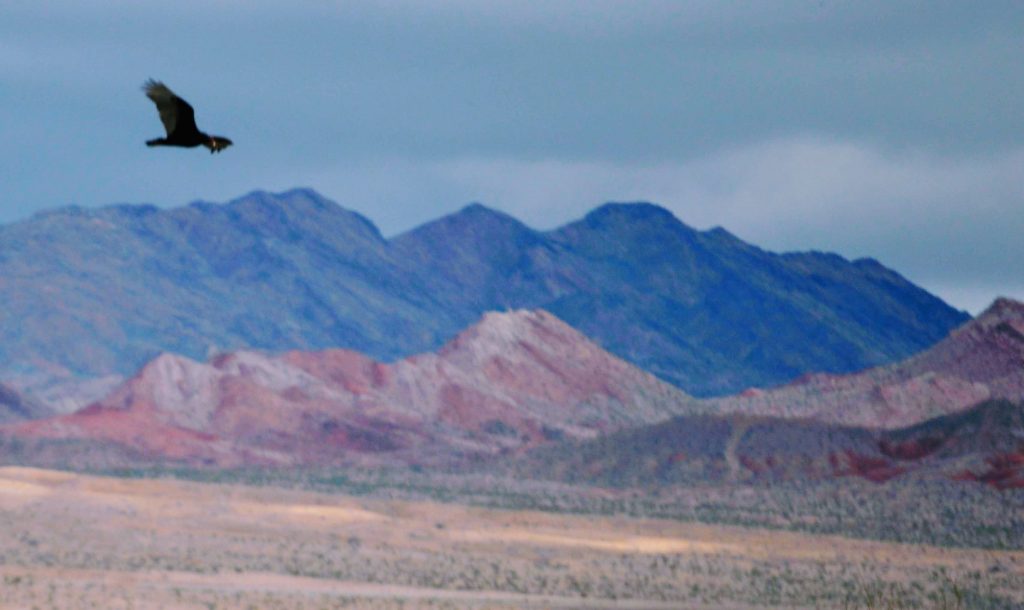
x=514, y=380
x=984, y=443
x=982, y=360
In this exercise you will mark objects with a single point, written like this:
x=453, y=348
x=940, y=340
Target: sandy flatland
x=73, y=540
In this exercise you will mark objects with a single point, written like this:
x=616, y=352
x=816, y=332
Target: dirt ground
x=76, y=541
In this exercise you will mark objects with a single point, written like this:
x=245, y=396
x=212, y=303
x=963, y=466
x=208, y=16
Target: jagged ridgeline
x=94, y=292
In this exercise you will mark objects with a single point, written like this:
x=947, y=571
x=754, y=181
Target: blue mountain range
x=92, y=292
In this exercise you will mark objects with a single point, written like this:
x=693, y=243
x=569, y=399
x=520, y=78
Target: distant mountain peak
x=479, y=213
x=520, y=318
x=496, y=329
x=638, y=220
x=722, y=232
x=297, y=206
x=1002, y=308
x=477, y=245
x=503, y=331
x=632, y=210
x=476, y=207
x=1004, y=316
x=636, y=208
x=297, y=198
x=474, y=218
x=305, y=191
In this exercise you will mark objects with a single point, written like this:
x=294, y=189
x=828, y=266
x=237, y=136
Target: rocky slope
x=982, y=360
x=95, y=293
x=512, y=381
x=982, y=444
x=701, y=309
x=15, y=407
x=954, y=411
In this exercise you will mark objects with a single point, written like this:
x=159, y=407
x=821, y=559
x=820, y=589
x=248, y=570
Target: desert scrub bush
x=965, y=593
x=945, y=513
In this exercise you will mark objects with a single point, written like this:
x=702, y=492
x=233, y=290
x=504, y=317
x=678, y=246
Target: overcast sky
x=885, y=129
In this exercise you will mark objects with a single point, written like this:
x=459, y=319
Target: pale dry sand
x=70, y=540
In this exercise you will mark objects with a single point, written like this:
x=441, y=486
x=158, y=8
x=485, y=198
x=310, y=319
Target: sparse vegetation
x=145, y=543
x=924, y=511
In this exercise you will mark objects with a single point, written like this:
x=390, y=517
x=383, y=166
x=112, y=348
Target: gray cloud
x=586, y=80
x=828, y=124
x=950, y=223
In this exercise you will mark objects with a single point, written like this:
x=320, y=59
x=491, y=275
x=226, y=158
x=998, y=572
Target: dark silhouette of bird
x=179, y=120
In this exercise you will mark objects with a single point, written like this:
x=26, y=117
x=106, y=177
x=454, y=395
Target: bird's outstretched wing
x=175, y=113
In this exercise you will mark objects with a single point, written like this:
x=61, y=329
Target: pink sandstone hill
x=982, y=360
x=512, y=381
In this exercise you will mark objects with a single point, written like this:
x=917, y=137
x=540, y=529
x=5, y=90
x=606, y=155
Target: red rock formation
x=983, y=359
x=510, y=382
x=1004, y=471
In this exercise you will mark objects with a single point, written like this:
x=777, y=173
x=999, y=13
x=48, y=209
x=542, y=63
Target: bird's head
x=217, y=144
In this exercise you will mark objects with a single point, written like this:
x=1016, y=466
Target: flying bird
x=179, y=120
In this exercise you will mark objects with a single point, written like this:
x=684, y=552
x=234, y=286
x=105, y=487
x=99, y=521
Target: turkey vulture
x=179, y=120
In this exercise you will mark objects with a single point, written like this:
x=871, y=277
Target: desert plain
x=70, y=540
